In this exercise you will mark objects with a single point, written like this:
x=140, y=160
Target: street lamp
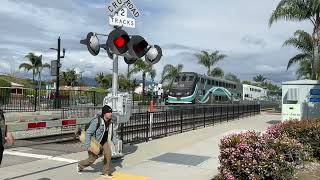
x=57, y=105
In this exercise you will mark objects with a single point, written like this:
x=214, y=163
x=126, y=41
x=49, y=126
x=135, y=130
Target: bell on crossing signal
x=153, y=55
x=118, y=41
x=138, y=46
x=92, y=43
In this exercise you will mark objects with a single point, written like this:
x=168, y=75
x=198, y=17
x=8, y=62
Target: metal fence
x=24, y=100
x=145, y=126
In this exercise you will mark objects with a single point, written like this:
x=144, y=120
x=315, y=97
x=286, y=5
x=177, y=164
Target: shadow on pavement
x=127, y=149
x=274, y=122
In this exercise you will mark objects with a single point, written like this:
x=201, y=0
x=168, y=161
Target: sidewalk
x=188, y=156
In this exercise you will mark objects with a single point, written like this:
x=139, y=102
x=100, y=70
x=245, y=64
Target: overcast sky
x=237, y=28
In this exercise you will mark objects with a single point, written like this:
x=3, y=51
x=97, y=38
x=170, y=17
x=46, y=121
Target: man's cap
x=106, y=109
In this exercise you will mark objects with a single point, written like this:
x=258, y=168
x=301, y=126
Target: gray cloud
x=181, y=29
x=253, y=41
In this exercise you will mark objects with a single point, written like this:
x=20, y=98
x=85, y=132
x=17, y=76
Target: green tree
x=217, y=72
x=32, y=65
x=209, y=60
x=141, y=66
x=99, y=79
x=246, y=82
x=70, y=77
x=304, y=69
x=301, y=10
x=232, y=77
x=304, y=43
x=259, y=79
x=169, y=73
x=39, y=69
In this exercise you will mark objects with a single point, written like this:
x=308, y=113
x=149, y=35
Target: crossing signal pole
x=131, y=48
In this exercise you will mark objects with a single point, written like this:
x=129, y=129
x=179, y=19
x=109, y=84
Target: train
x=194, y=88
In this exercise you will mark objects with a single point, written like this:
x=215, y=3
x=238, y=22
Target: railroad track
x=58, y=138
x=69, y=137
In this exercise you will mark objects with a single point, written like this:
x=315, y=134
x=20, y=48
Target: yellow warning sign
x=125, y=176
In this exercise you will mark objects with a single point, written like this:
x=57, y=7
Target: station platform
x=187, y=156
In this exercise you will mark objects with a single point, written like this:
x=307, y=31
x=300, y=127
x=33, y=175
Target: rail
x=141, y=127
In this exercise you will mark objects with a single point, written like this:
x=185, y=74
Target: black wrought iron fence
x=143, y=126
x=23, y=100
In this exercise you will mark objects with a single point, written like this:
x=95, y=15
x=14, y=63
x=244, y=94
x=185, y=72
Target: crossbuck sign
x=116, y=5
x=121, y=19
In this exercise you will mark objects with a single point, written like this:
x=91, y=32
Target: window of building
x=184, y=78
x=191, y=78
x=177, y=79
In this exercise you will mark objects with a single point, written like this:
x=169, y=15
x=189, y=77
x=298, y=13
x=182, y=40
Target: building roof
x=15, y=84
x=302, y=82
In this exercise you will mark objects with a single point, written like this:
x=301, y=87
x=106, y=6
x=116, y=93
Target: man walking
x=2, y=134
x=99, y=129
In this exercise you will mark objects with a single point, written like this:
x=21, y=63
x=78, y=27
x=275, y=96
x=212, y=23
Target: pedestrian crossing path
x=125, y=176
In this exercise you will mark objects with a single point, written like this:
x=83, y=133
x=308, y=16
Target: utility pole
x=57, y=100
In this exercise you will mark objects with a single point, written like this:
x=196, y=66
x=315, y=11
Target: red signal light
x=119, y=42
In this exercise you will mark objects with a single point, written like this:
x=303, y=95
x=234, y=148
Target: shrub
x=251, y=155
x=307, y=132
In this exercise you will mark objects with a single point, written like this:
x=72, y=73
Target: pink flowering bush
x=307, y=132
x=252, y=155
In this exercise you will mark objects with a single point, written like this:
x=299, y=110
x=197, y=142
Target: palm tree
x=40, y=68
x=33, y=65
x=141, y=66
x=260, y=79
x=232, y=77
x=304, y=69
x=70, y=77
x=209, y=60
x=217, y=72
x=99, y=79
x=303, y=42
x=301, y=10
x=169, y=73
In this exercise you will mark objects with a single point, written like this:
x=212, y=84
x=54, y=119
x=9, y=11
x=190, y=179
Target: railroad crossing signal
x=92, y=43
x=118, y=41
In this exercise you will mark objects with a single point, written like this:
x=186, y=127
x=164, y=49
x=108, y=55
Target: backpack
x=86, y=126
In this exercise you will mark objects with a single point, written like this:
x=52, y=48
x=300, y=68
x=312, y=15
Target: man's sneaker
x=107, y=176
x=79, y=170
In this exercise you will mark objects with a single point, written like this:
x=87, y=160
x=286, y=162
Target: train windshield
x=183, y=81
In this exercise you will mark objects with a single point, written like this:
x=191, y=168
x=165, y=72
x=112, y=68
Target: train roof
x=210, y=77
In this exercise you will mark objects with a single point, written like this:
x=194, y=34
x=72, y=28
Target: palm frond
x=298, y=58
x=301, y=40
x=25, y=66
x=291, y=10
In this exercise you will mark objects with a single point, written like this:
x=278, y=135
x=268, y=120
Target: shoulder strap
x=99, y=122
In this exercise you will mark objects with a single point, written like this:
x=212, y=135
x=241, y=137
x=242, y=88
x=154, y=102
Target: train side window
x=184, y=78
x=217, y=83
x=209, y=82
